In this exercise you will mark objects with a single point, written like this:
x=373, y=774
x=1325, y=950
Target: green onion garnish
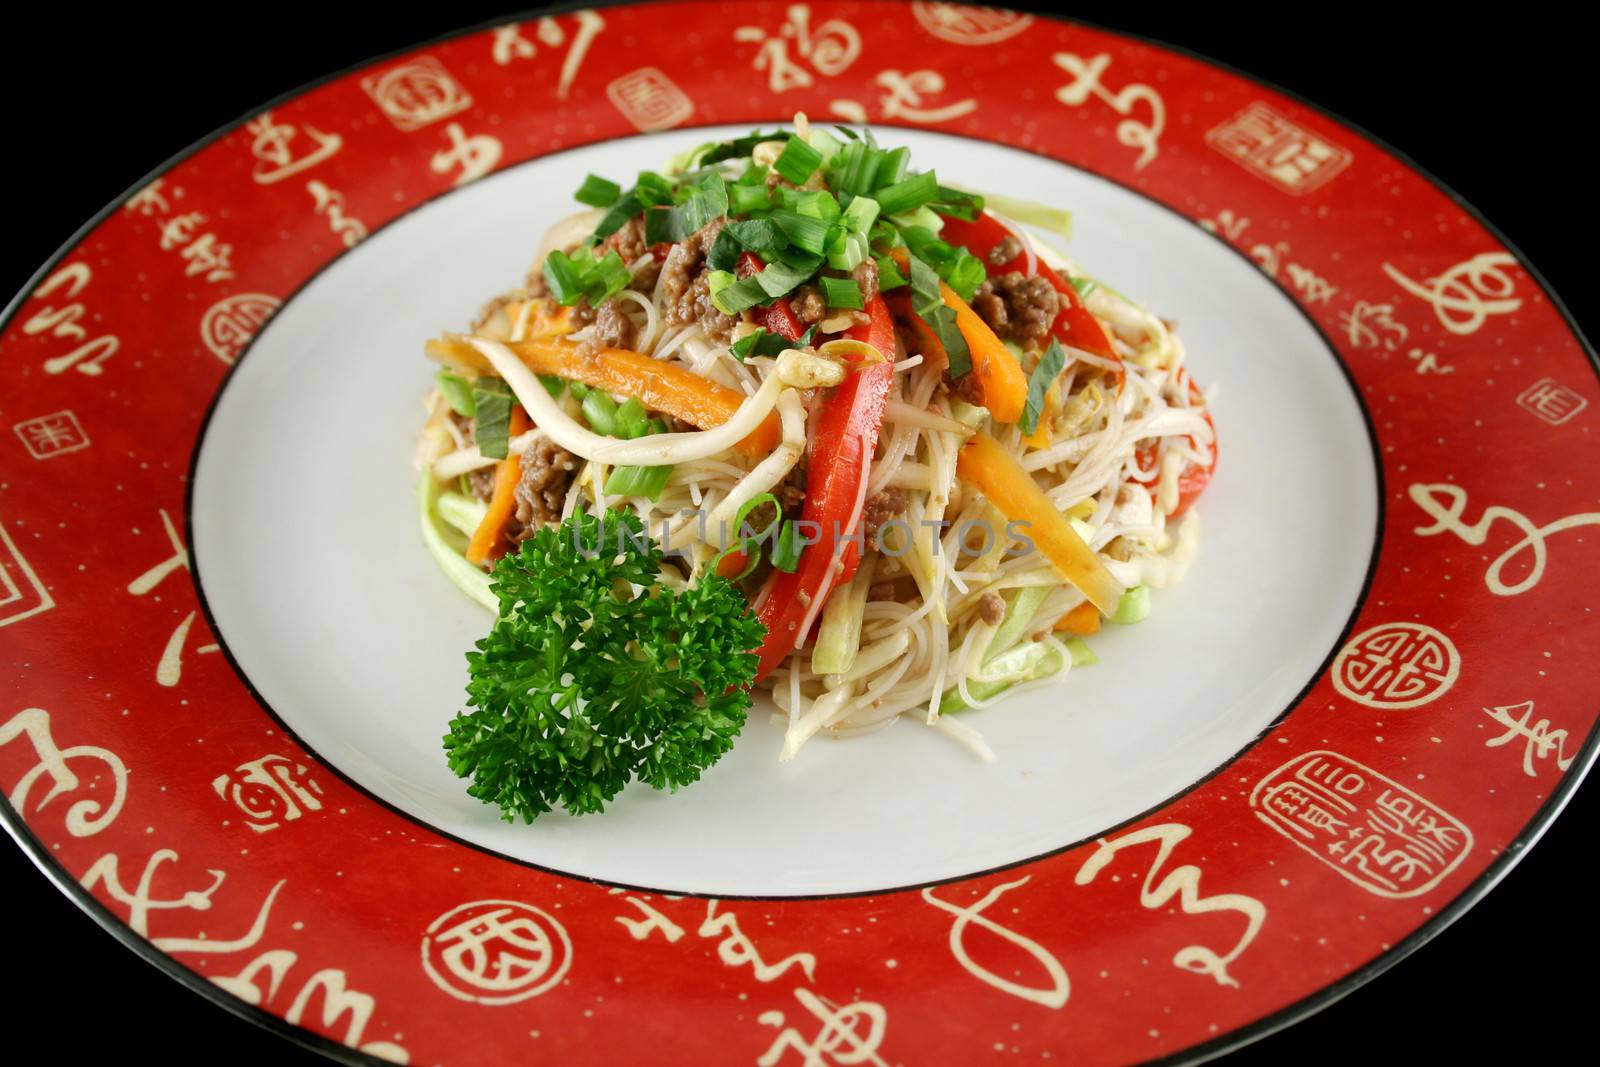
x=600, y=411
x=909, y=194
x=598, y=192
x=798, y=160
x=637, y=481
x=631, y=419
x=786, y=550
x=842, y=293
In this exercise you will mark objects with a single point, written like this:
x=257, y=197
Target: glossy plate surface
x=1370, y=691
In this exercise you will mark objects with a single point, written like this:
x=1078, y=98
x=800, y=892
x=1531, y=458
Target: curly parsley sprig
x=594, y=674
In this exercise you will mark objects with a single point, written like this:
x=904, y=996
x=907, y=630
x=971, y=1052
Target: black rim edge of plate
x=1277, y=1020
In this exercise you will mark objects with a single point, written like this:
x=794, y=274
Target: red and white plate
x=229, y=685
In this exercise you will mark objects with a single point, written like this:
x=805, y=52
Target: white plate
x=306, y=544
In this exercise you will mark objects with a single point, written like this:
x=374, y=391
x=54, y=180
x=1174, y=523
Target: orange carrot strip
x=1000, y=378
x=1082, y=620
x=486, y=538
x=996, y=473
x=660, y=386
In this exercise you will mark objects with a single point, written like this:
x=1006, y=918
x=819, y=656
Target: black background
x=1497, y=108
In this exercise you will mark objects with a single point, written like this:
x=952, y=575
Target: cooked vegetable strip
x=995, y=472
x=486, y=543
x=1082, y=620
x=660, y=386
x=1005, y=387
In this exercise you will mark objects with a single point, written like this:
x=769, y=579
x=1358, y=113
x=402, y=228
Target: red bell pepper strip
x=777, y=317
x=840, y=460
x=1075, y=325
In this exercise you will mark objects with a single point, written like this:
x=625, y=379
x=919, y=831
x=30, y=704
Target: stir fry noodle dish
x=790, y=415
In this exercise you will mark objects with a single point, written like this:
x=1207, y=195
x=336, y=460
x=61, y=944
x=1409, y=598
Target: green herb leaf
x=1049, y=366
x=739, y=146
x=584, y=684
x=889, y=276
x=703, y=200
x=763, y=342
x=492, y=400
x=927, y=300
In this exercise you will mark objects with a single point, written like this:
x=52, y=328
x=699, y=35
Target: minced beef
x=879, y=510
x=1008, y=249
x=808, y=305
x=628, y=241
x=991, y=609
x=581, y=314
x=612, y=329
x=866, y=278
x=542, y=491
x=1017, y=306
x=791, y=492
x=686, y=284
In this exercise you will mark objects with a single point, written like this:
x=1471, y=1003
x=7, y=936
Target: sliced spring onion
x=600, y=411
x=637, y=481
x=744, y=293
x=786, y=550
x=798, y=160
x=802, y=231
x=761, y=236
x=818, y=205
x=958, y=203
x=893, y=167
x=847, y=250
x=861, y=214
x=1049, y=366
x=598, y=192
x=743, y=199
x=842, y=293
x=908, y=194
x=631, y=419
x=457, y=392
x=1133, y=607
x=1083, y=286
